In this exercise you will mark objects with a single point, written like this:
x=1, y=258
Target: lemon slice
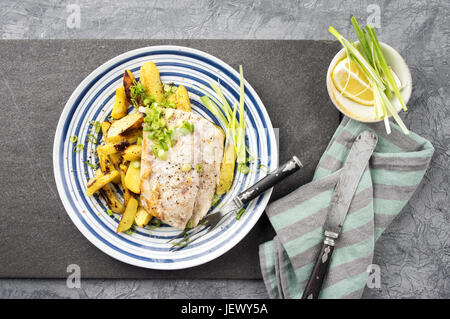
x=352, y=83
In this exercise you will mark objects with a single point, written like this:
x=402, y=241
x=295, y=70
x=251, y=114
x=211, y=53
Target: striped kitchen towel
x=395, y=169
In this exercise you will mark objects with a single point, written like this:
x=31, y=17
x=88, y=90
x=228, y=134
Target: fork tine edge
x=184, y=233
x=189, y=240
x=186, y=240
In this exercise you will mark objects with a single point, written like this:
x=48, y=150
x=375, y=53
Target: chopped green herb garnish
x=91, y=165
x=215, y=200
x=92, y=139
x=156, y=225
x=162, y=136
x=188, y=126
x=186, y=167
x=148, y=101
x=78, y=148
x=190, y=224
x=73, y=139
x=240, y=213
x=244, y=169
x=96, y=126
x=183, y=131
x=162, y=154
x=169, y=88
x=137, y=92
x=110, y=212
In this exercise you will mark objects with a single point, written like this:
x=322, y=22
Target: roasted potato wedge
x=132, y=153
x=103, y=160
x=127, y=219
x=128, y=81
x=106, y=165
x=107, y=149
x=116, y=159
x=122, y=142
x=133, y=177
x=181, y=99
x=105, y=127
x=120, y=107
x=151, y=80
x=227, y=169
x=110, y=148
x=142, y=218
x=124, y=126
x=97, y=183
x=126, y=192
x=110, y=197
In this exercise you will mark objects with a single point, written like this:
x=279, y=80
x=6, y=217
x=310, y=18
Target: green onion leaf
x=362, y=40
x=386, y=70
x=240, y=136
x=355, y=55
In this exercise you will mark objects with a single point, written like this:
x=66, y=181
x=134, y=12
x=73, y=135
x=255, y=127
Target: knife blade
x=348, y=181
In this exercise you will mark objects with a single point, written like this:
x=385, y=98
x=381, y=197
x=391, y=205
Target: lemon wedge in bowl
x=352, y=83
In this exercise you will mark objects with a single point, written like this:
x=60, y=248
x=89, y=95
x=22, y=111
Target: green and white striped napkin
x=395, y=170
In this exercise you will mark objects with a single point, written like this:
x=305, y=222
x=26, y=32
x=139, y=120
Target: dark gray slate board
x=38, y=240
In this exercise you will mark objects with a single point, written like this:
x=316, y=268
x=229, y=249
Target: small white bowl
x=365, y=113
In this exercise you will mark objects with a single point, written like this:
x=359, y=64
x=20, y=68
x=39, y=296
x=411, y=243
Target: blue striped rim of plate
x=92, y=101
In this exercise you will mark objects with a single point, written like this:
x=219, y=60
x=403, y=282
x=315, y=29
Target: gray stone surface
x=414, y=253
x=54, y=68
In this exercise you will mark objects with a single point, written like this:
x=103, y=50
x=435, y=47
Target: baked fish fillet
x=171, y=194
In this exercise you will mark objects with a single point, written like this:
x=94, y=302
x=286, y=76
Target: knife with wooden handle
x=352, y=171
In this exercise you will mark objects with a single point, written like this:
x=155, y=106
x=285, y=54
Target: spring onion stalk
x=214, y=109
x=372, y=63
x=386, y=70
x=363, y=40
x=240, y=138
x=227, y=108
x=354, y=55
x=234, y=124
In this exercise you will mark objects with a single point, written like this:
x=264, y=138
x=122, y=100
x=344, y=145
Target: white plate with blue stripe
x=93, y=100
